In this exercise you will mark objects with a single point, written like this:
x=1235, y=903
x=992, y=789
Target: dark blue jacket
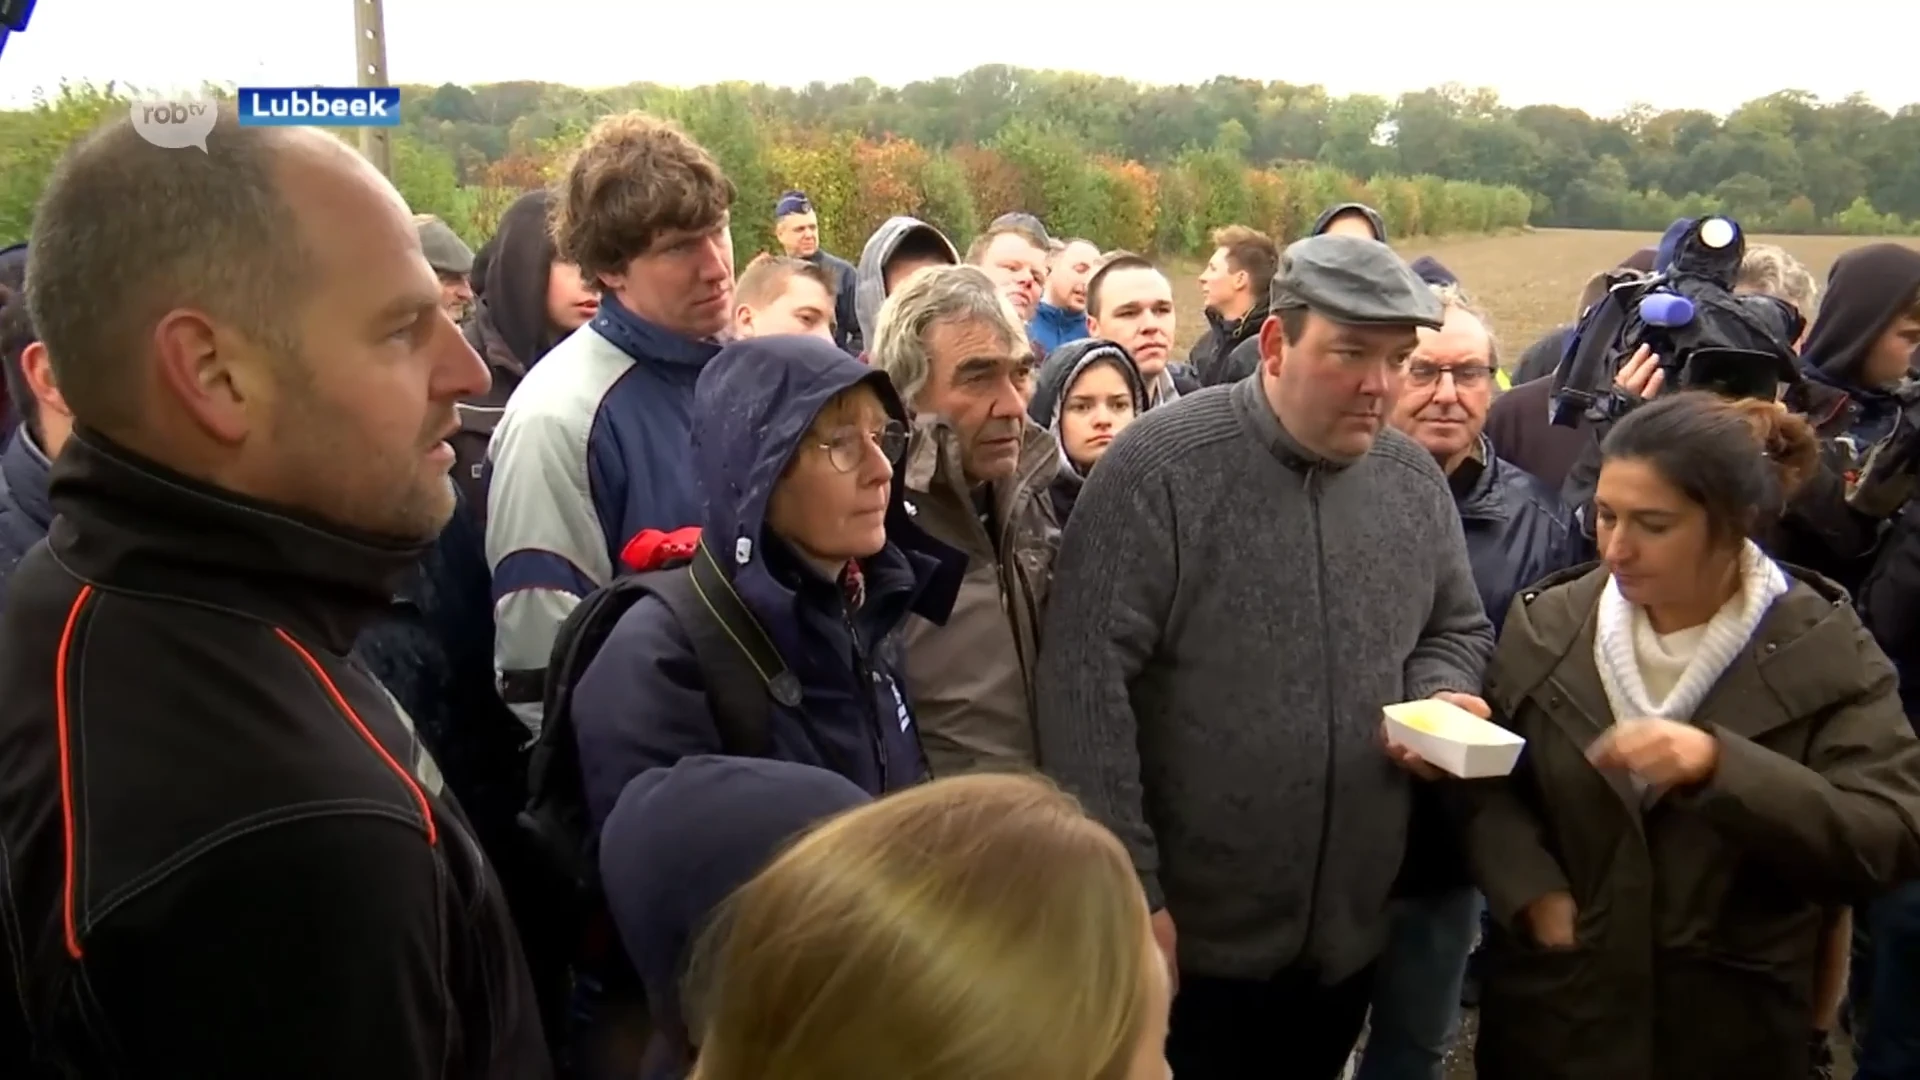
x=640, y=703
x=680, y=840
x=846, y=318
x=1517, y=531
x=24, y=511
x=1053, y=327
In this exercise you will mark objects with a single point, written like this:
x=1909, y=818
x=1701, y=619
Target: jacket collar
x=1481, y=500
x=26, y=466
x=647, y=342
x=129, y=524
x=1801, y=659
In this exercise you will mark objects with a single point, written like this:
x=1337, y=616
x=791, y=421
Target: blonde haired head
x=981, y=926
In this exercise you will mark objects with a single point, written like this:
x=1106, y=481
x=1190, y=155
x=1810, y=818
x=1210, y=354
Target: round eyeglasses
x=846, y=447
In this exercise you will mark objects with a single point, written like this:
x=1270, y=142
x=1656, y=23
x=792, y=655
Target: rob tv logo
x=319, y=106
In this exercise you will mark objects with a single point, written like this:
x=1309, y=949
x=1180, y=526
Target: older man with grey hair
x=1252, y=572
x=977, y=474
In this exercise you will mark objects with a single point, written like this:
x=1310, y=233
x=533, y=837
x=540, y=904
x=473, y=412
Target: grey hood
x=870, y=280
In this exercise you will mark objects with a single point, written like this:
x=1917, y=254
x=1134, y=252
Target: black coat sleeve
x=312, y=949
x=846, y=316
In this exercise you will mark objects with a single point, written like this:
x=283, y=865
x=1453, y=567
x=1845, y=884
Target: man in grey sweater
x=1250, y=575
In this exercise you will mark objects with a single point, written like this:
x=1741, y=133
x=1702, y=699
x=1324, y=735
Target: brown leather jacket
x=1700, y=916
x=971, y=681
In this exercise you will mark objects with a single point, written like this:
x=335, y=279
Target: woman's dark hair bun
x=1786, y=439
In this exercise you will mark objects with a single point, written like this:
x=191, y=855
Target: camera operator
x=1826, y=527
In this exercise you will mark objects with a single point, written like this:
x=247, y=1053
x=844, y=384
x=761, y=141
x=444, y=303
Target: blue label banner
x=319, y=106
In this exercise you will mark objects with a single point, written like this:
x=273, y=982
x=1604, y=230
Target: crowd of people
x=584, y=657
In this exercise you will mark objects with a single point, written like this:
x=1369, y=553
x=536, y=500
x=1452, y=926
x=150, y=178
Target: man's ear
x=742, y=322
x=213, y=375
x=1093, y=325
x=1273, y=345
x=37, y=367
x=1242, y=281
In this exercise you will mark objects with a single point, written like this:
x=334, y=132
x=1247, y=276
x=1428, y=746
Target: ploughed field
x=1528, y=282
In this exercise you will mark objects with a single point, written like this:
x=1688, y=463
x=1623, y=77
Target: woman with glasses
x=795, y=450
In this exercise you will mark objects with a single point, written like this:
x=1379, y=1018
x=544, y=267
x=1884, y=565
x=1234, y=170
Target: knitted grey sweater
x=1229, y=614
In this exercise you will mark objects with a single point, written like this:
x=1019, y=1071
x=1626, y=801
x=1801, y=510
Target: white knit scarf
x=1727, y=633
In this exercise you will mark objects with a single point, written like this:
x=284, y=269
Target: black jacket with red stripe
x=224, y=852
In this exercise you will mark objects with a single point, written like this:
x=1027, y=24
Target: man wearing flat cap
x=797, y=226
x=1253, y=572
x=450, y=258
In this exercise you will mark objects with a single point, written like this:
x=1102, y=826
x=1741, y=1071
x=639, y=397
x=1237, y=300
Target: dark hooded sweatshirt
x=640, y=703
x=870, y=287
x=1061, y=369
x=509, y=330
x=1235, y=360
x=1867, y=289
x=226, y=852
x=678, y=843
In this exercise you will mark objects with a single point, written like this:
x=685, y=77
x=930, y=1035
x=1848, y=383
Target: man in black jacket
x=226, y=851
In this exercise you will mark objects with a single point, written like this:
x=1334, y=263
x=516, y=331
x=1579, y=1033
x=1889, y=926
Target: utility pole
x=370, y=47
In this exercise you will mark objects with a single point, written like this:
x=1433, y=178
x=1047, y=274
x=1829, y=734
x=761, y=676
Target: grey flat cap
x=1354, y=280
x=445, y=251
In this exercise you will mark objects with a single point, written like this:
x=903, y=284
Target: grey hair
x=1771, y=270
x=932, y=296
x=1453, y=297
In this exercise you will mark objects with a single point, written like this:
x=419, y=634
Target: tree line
x=1148, y=168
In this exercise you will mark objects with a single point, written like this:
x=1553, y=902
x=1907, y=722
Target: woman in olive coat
x=1715, y=755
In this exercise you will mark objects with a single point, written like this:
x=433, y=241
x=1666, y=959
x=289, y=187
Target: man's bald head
x=127, y=231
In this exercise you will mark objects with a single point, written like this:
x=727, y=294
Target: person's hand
x=1408, y=758
x=1470, y=702
x=1550, y=920
x=1166, y=937
x=1664, y=753
x=1642, y=376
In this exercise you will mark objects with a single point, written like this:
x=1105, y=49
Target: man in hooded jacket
x=641, y=704
x=896, y=249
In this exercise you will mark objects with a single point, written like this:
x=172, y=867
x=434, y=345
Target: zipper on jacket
x=863, y=674
x=1333, y=727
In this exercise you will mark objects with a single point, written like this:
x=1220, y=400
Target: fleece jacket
x=1230, y=613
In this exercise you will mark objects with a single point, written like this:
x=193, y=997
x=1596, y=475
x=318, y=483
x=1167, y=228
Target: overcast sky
x=1704, y=55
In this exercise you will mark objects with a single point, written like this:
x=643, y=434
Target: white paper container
x=1452, y=739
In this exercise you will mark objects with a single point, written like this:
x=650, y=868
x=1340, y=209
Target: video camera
x=1707, y=338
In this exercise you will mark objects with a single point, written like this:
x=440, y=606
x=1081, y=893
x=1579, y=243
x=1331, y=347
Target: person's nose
x=1103, y=418
x=1445, y=390
x=458, y=371
x=1376, y=379
x=1008, y=401
x=717, y=258
x=1615, y=547
x=875, y=470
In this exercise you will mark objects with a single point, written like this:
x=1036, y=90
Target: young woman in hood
x=1086, y=393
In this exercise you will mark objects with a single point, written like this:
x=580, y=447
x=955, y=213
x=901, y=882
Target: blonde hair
x=980, y=926
x=1768, y=269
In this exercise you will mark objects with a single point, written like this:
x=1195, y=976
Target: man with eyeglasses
x=1516, y=532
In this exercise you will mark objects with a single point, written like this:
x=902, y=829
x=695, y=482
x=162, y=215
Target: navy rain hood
x=640, y=703
x=677, y=844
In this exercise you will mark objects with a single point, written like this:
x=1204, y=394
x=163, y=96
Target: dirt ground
x=1528, y=282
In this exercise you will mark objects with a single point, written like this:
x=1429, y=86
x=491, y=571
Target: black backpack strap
x=738, y=664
